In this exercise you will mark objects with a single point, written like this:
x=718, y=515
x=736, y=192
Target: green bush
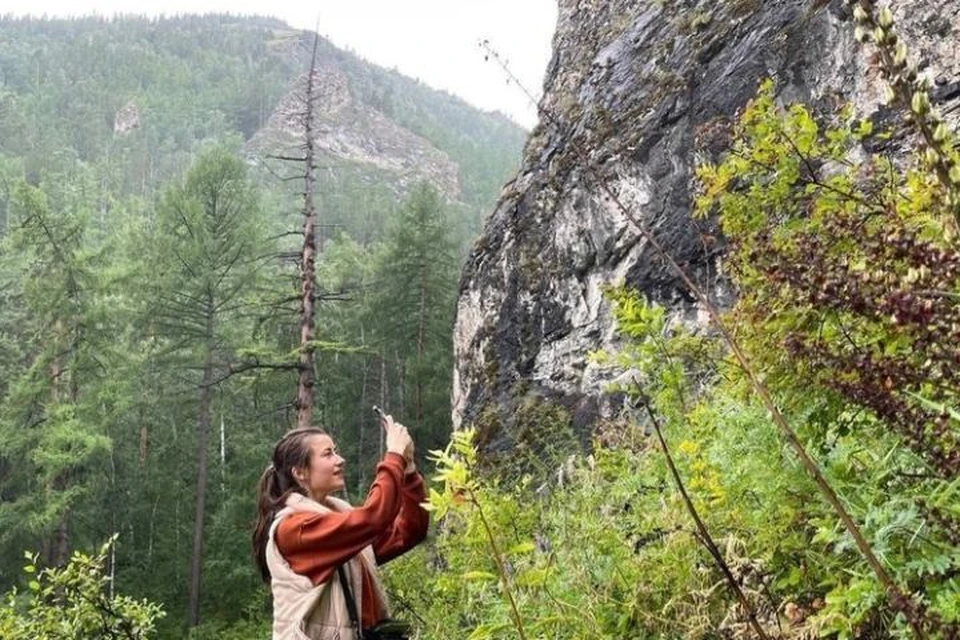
x=72, y=603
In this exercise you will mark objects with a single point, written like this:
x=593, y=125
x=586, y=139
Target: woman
x=304, y=535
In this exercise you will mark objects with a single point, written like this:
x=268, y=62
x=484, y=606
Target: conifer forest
x=215, y=229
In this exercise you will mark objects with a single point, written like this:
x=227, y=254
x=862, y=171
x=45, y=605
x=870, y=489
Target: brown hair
x=291, y=452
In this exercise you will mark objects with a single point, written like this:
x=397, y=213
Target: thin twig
x=705, y=538
x=501, y=567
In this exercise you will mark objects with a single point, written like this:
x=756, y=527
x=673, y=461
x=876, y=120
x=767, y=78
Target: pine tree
x=49, y=442
x=415, y=309
x=205, y=246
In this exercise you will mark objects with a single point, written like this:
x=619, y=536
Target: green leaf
x=523, y=547
x=532, y=577
x=939, y=407
x=485, y=631
x=479, y=575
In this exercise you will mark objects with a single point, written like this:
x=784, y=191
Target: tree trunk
x=144, y=434
x=153, y=521
x=383, y=395
x=223, y=455
x=307, y=379
x=421, y=331
x=203, y=436
x=61, y=537
x=402, y=383
x=142, y=445
x=59, y=548
x=364, y=411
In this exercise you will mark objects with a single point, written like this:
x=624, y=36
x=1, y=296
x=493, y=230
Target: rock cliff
x=646, y=89
x=350, y=132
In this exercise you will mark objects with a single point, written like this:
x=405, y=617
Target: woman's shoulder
x=336, y=504
x=298, y=503
x=303, y=515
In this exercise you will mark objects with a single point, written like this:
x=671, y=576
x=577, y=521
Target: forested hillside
x=132, y=99
x=149, y=250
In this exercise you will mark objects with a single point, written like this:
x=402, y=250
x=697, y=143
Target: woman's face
x=324, y=473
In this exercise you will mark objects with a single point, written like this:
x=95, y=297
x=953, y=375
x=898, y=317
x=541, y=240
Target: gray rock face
x=348, y=132
x=127, y=119
x=647, y=89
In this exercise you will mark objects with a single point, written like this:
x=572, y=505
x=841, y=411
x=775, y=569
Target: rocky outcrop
x=127, y=119
x=350, y=133
x=645, y=89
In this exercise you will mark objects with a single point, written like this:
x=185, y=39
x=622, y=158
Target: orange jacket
x=391, y=519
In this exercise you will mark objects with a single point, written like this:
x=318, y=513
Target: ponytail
x=275, y=485
x=268, y=497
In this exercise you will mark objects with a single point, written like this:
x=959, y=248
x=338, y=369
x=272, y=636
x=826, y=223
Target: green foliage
x=51, y=445
x=412, y=310
x=601, y=551
x=835, y=259
x=74, y=602
x=258, y=627
x=203, y=248
x=606, y=548
x=838, y=261
x=851, y=270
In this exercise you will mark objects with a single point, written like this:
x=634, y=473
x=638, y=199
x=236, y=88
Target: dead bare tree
x=312, y=241
x=306, y=379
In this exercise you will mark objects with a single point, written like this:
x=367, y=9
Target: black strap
x=351, y=603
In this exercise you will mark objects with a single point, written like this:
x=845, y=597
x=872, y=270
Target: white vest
x=304, y=611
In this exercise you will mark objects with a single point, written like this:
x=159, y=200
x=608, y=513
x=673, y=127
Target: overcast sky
x=434, y=40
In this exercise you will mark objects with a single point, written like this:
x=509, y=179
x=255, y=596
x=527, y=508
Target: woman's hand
x=398, y=438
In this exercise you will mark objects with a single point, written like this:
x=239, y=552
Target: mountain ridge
x=196, y=78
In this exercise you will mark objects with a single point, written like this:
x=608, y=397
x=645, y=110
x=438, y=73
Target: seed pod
x=885, y=19
x=941, y=132
x=900, y=56
x=955, y=174
x=888, y=94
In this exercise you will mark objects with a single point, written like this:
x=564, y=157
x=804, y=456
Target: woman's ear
x=299, y=475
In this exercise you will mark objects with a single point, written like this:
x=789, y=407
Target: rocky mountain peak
x=350, y=132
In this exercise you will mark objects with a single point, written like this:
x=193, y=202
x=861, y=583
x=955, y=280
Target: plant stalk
x=705, y=536
x=501, y=566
